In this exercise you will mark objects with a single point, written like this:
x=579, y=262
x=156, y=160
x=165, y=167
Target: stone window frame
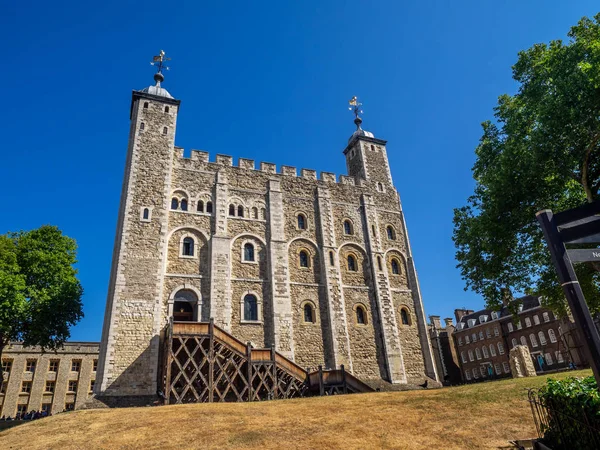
x=347, y=265
x=389, y=226
x=188, y=287
x=30, y=365
x=380, y=187
x=180, y=194
x=542, y=338
x=477, y=353
x=552, y=336
x=527, y=322
x=26, y=386
x=195, y=239
x=53, y=362
x=242, y=253
x=408, y=315
x=237, y=202
x=506, y=367
x=471, y=356
x=394, y=258
x=463, y=357
x=71, y=383
x=546, y=317
x=297, y=214
x=363, y=306
x=149, y=208
x=514, y=342
x=259, y=309
x=315, y=316
x=309, y=259
x=50, y=386
x=500, y=348
x=485, y=352
x=468, y=375
x=492, y=350
x=523, y=340
x=481, y=337
x=536, y=319
x=76, y=362
x=205, y=198
x=349, y=221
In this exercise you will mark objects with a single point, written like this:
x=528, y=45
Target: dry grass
x=485, y=415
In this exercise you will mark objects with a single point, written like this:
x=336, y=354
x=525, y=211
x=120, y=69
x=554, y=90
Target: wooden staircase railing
x=204, y=363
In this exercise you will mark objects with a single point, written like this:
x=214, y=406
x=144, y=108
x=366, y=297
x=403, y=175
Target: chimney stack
x=448, y=321
x=460, y=313
x=435, y=321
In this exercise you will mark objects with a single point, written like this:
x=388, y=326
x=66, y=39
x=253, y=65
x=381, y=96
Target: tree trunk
x=585, y=168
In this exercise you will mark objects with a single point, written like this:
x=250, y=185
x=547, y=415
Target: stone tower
x=129, y=349
x=316, y=267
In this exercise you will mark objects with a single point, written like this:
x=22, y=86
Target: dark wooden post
x=169, y=361
x=274, y=360
x=321, y=385
x=249, y=371
x=344, y=379
x=211, y=359
x=571, y=288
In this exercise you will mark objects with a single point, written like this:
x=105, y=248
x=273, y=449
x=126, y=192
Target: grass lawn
x=484, y=415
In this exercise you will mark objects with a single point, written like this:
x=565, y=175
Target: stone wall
x=60, y=397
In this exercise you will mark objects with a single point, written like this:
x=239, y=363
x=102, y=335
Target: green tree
x=40, y=296
x=542, y=151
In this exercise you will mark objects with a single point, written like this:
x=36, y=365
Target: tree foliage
x=40, y=295
x=542, y=151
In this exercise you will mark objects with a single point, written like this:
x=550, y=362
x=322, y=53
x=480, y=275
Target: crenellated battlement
x=267, y=167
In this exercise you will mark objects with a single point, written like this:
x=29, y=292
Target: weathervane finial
x=355, y=108
x=159, y=61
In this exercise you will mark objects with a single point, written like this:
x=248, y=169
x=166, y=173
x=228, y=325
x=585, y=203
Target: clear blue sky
x=262, y=80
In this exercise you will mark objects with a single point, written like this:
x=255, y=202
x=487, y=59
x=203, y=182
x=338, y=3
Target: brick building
x=319, y=268
x=484, y=338
x=47, y=381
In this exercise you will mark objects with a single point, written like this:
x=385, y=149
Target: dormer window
x=494, y=315
x=471, y=322
x=483, y=318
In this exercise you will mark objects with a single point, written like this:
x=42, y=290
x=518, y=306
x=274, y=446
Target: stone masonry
x=329, y=265
x=51, y=381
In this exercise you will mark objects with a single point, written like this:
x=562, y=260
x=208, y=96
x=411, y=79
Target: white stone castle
x=318, y=268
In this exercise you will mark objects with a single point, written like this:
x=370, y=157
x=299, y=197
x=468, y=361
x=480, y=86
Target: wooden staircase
x=204, y=363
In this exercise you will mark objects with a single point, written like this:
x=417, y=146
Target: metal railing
x=560, y=430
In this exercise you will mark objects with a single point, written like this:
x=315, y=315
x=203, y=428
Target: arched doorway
x=185, y=306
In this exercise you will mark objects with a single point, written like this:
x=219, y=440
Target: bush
x=573, y=408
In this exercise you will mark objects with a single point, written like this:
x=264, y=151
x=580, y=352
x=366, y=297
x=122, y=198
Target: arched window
x=263, y=213
x=240, y=211
x=542, y=338
x=484, y=350
x=142, y=126
x=303, y=255
x=165, y=130
x=174, y=203
x=533, y=340
x=551, y=335
x=471, y=358
x=463, y=357
x=250, y=307
x=372, y=148
x=146, y=214
x=492, y=350
x=352, y=263
x=524, y=341
x=254, y=212
x=527, y=322
x=209, y=207
x=331, y=260
x=145, y=105
x=309, y=316
x=184, y=204
x=478, y=353
x=188, y=247
x=200, y=206
x=166, y=109
x=404, y=317
x=481, y=335
x=248, y=252
x=510, y=327
x=514, y=342
x=379, y=263
x=301, y=222
x=183, y=311
x=500, y=348
x=395, y=267
x=536, y=319
x=231, y=210
x=391, y=233
x=361, y=315
x=347, y=227
x=380, y=187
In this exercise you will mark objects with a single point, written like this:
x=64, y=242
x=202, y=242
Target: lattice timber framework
x=203, y=363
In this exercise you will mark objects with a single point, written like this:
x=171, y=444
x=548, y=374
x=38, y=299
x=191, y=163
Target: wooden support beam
x=249, y=370
x=274, y=369
x=321, y=385
x=169, y=361
x=211, y=360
